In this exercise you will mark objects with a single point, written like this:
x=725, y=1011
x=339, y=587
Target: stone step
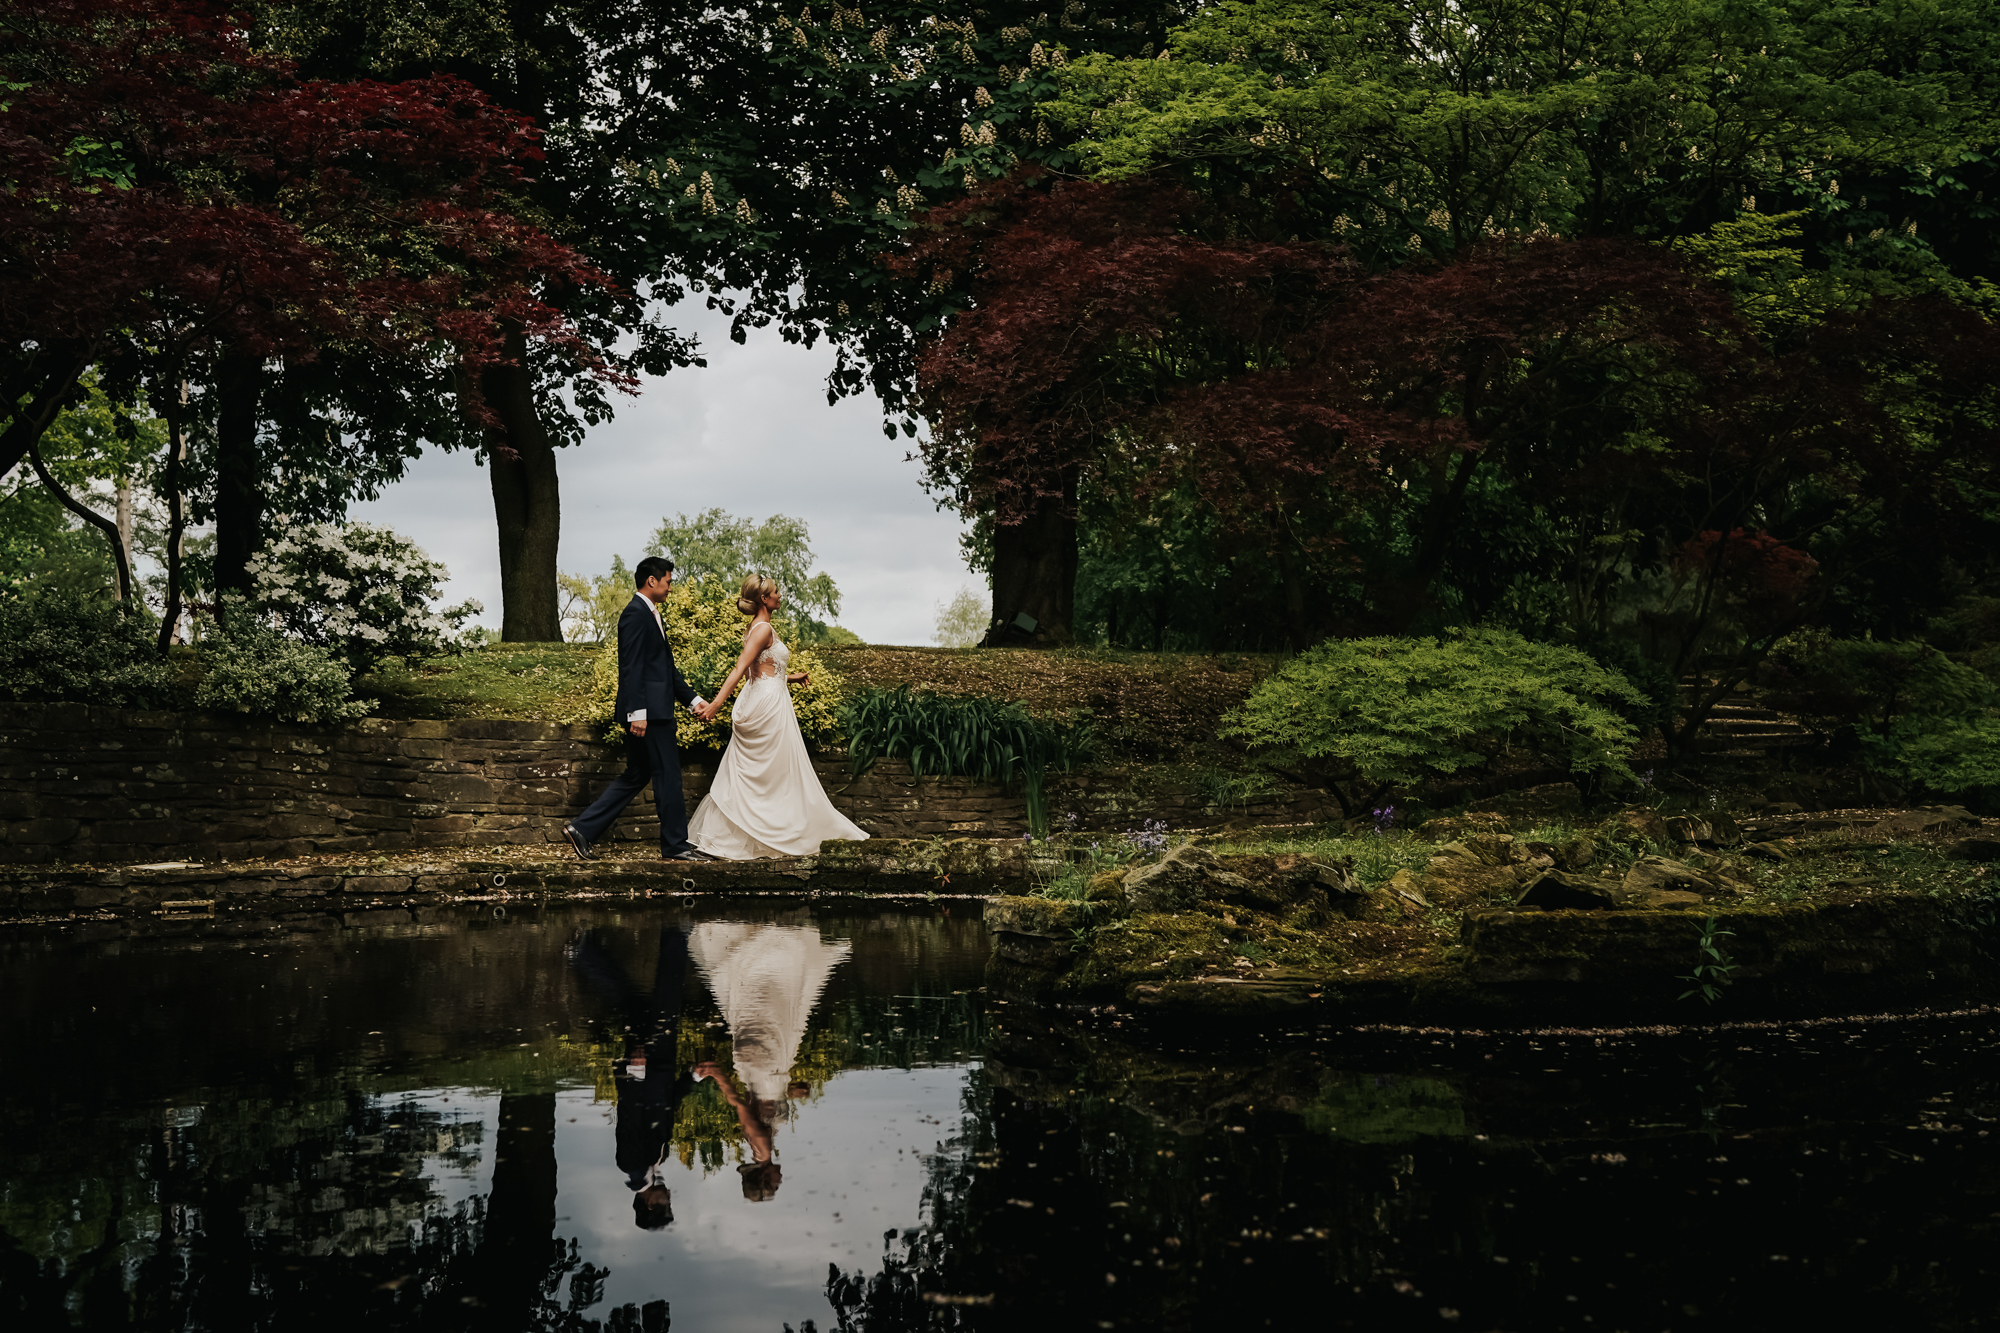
x=1758, y=732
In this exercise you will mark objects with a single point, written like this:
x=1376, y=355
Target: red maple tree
x=173, y=194
x=1127, y=328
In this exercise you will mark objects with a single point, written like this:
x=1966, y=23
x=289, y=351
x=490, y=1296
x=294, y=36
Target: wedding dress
x=766, y=800
x=766, y=980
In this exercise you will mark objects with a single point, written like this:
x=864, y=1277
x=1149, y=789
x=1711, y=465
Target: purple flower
x=1149, y=837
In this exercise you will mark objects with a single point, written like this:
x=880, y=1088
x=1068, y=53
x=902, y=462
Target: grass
x=1377, y=856
x=518, y=681
x=1831, y=866
x=1142, y=706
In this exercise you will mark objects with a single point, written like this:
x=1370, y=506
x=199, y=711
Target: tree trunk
x=175, y=412
x=1034, y=573
x=239, y=497
x=125, y=514
x=1403, y=601
x=526, y=502
x=104, y=525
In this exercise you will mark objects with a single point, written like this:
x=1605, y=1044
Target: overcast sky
x=752, y=434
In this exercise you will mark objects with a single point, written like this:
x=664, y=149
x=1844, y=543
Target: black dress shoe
x=576, y=842
x=691, y=854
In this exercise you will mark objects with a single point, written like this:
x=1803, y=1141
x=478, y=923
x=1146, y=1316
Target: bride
x=766, y=800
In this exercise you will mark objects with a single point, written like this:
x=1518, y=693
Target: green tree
x=762, y=158
x=1812, y=158
x=714, y=546
x=962, y=621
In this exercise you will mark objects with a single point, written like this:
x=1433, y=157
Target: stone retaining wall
x=105, y=785
x=343, y=885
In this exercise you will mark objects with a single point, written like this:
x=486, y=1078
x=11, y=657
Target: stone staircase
x=1741, y=728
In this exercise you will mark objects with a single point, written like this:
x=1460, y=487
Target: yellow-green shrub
x=706, y=631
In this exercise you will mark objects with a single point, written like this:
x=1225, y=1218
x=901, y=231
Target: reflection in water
x=455, y=1126
x=766, y=979
x=649, y=1079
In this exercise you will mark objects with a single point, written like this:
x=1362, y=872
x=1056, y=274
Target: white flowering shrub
x=248, y=666
x=363, y=592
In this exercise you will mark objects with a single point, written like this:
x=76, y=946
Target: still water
x=768, y=1115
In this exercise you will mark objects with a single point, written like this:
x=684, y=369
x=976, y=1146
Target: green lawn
x=1145, y=706
x=513, y=680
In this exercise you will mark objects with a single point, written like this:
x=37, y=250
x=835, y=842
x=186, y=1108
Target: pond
x=784, y=1114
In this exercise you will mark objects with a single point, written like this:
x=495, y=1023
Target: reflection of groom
x=649, y=1080
x=648, y=685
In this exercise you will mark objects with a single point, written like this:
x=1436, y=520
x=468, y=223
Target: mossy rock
x=1107, y=889
x=1042, y=918
x=917, y=865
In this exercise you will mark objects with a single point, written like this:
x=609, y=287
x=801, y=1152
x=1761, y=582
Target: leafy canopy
x=1420, y=125
x=719, y=547
x=1406, y=709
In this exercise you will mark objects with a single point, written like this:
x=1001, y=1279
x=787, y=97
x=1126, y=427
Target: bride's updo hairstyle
x=757, y=589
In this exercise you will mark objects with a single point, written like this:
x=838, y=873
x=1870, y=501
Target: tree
x=92, y=440
x=1433, y=140
x=1424, y=125
x=719, y=547
x=761, y=157
x=185, y=208
x=962, y=621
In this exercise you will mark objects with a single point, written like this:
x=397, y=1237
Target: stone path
x=345, y=883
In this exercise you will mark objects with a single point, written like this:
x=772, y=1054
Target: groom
x=648, y=684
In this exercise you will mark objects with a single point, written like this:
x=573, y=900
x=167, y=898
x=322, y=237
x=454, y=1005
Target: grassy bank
x=514, y=680
x=1150, y=706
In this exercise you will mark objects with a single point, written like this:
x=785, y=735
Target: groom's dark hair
x=652, y=567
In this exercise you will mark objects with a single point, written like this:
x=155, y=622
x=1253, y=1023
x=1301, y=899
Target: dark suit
x=649, y=1101
x=648, y=679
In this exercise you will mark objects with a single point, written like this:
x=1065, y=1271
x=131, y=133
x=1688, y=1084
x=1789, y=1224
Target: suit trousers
x=654, y=758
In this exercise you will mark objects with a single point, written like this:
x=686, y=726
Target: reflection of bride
x=766, y=800
x=766, y=980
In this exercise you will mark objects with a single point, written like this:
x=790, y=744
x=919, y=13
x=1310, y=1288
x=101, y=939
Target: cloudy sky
x=752, y=434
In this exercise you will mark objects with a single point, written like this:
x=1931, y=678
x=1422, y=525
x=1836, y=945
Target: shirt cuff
x=636, y=715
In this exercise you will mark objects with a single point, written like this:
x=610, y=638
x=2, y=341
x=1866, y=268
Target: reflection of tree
x=1079, y=1157
x=299, y=1188
x=930, y=1258
x=505, y=1278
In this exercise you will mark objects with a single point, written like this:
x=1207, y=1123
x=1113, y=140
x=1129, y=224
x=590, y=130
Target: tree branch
x=90, y=516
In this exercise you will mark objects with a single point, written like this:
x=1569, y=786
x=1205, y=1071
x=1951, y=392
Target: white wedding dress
x=766, y=800
x=766, y=980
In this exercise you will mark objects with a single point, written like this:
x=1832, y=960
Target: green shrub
x=64, y=647
x=1830, y=683
x=1402, y=710
x=249, y=667
x=702, y=623
x=966, y=736
x=362, y=591
x=1951, y=758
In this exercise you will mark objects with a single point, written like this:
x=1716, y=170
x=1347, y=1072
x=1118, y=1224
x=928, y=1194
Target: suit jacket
x=647, y=676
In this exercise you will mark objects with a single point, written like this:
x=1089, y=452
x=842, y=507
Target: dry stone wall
x=84, y=784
